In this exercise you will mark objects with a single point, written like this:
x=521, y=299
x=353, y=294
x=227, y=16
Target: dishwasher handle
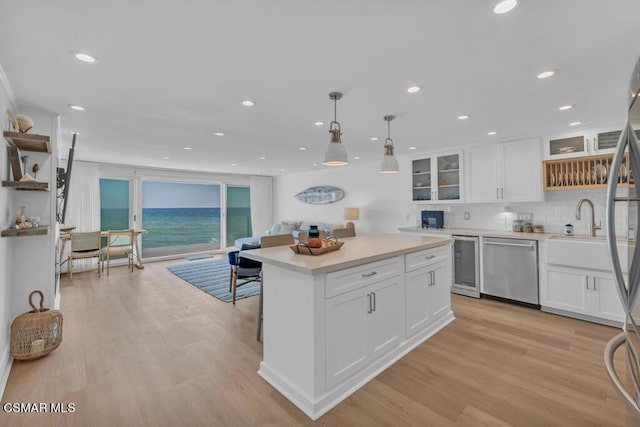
x=520, y=245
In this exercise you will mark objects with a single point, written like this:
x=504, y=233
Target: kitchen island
x=333, y=322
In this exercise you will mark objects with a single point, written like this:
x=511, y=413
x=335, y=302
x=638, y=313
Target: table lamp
x=351, y=214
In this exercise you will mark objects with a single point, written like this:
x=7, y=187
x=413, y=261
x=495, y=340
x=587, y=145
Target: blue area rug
x=198, y=256
x=213, y=278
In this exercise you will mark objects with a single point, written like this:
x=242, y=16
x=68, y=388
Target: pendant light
x=335, y=155
x=389, y=162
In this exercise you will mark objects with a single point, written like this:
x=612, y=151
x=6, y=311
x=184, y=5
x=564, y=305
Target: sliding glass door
x=180, y=217
x=115, y=213
x=238, y=213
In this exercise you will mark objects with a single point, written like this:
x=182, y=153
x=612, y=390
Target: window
x=180, y=217
x=114, y=204
x=238, y=214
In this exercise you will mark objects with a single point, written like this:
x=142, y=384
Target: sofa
x=285, y=227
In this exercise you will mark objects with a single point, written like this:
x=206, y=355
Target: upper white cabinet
x=504, y=172
x=437, y=178
x=584, y=143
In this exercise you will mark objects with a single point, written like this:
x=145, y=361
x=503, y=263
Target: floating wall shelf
x=26, y=186
x=43, y=230
x=28, y=141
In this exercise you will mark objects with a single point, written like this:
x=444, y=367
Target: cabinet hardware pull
x=373, y=273
x=370, y=304
x=430, y=256
x=374, y=301
x=433, y=278
x=586, y=281
x=502, y=192
x=594, y=284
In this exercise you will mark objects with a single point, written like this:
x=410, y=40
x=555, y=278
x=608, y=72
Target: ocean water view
x=182, y=226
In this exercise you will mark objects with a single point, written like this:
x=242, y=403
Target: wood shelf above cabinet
x=582, y=173
x=28, y=141
x=24, y=232
x=26, y=186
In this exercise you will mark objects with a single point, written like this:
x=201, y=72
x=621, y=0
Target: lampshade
x=389, y=162
x=351, y=214
x=336, y=155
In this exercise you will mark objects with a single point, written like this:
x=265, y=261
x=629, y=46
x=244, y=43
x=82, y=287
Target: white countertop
x=484, y=233
x=355, y=251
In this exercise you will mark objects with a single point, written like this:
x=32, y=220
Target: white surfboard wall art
x=320, y=195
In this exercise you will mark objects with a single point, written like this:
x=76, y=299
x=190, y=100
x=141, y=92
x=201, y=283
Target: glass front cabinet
x=437, y=178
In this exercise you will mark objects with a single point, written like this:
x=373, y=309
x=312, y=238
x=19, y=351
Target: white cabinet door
x=384, y=328
x=565, y=289
x=428, y=296
x=440, y=291
x=521, y=171
x=482, y=174
x=605, y=301
x=347, y=320
x=437, y=178
x=418, y=311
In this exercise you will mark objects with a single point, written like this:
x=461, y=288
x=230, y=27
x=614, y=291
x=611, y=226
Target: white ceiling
x=170, y=74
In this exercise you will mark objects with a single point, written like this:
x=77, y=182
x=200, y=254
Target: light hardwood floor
x=147, y=349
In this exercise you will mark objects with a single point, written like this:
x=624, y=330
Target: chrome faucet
x=594, y=227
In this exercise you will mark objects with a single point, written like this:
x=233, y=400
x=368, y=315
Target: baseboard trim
x=5, y=368
x=584, y=317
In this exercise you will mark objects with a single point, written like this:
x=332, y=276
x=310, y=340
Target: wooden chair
x=243, y=269
x=302, y=236
x=119, y=243
x=269, y=242
x=339, y=233
x=83, y=246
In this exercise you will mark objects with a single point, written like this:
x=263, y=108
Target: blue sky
x=179, y=195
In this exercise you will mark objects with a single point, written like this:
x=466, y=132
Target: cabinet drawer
x=427, y=257
x=349, y=279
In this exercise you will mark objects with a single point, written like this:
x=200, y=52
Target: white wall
x=6, y=218
x=383, y=199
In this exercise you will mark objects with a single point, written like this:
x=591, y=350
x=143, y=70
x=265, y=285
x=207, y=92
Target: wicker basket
x=36, y=333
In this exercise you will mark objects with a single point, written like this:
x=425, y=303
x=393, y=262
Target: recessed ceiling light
x=493, y=132
x=505, y=6
x=413, y=148
x=565, y=107
x=356, y=157
x=282, y=170
x=233, y=164
x=166, y=157
x=315, y=164
x=546, y=74
x=575, y=123
x=85, y=57
x=262, y=157
x=77, y=107
x=302, y=148
x=247, y=103
x=319, y=123
x=219, y=134
x=414, y=89
x=188, y=148
x=374, y=138
x=73, y=132
x=463, y=117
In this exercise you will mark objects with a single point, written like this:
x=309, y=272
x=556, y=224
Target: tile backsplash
x=558, y=209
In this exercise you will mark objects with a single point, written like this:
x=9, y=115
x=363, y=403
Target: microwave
x=432, y=219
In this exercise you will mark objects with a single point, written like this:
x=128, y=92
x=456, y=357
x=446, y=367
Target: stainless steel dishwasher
x=510, y=269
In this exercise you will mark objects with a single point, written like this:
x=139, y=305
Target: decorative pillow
x=304, y=226
x=275, y=229
x=286, y=229
x=294, y=225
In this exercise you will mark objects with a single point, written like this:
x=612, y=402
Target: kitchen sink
x=583, y=252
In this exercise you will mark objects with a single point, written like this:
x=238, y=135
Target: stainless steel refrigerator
x=627, y=277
